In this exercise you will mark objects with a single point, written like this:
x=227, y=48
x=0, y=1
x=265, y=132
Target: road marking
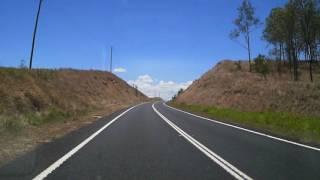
x=236, y=173
x=248, y=130
x=60, y=161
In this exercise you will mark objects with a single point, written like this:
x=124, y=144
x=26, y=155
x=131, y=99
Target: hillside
x=273, y=104
x=39, y=105
x=228, y=86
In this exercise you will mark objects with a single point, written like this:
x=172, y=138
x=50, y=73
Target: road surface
x=154, y=141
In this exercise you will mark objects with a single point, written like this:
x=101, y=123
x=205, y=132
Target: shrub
x=261, y=65
x=13, y=124
x=36, y=101
x=180, y=91
x=238, y=65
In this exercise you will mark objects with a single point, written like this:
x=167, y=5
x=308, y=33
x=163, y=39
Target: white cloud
x=152, y=88
x=119, y=70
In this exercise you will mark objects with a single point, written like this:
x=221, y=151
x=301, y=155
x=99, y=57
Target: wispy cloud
x=119, y=70
x=153, y=88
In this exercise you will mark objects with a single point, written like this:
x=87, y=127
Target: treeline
x=293, y=30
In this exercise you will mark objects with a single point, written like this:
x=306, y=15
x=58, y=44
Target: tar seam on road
x=236, y=173
x=247, y=130
x=60, y=161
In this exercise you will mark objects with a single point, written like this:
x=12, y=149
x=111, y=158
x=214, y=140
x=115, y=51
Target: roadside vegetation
x=226, y=93
x=40, y=105
x=293, y=31
x=36, y=97
x=293, y=126
x=276, y=92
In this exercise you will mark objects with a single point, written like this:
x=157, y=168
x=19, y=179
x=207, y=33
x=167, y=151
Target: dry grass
x=35, y=97
x=39, y=105
x=228, y=86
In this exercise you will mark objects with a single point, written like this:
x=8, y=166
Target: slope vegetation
x=39, y=105
x=230, y=85
x=273, y=104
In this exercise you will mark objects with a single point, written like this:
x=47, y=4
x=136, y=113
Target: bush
x=180, y=91
x=238, y=65
x=36, y=101
x=13, y=124
x=261, y=65
x=51, y=115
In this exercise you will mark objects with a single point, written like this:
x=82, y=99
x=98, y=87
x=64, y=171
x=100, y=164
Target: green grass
x=17, y=123
x=37, y=119
x=292, y=126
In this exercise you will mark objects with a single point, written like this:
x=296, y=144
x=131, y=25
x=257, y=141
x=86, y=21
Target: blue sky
x=168, y=40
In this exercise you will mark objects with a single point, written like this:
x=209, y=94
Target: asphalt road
x=158, y=142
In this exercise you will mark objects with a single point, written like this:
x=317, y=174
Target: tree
x=308, y=13
x=283, y=28
x=274, y=33
x=174, y=97
x=293, y=35
x=245, y=22
x=261, y=65
x=180, y=91
x=296, y=29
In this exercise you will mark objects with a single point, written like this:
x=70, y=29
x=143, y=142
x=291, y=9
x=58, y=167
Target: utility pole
x=111, y=59
x=34, y=34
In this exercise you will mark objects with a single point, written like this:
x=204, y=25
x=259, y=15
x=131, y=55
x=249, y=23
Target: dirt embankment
x=40, y=105
x=230, y=85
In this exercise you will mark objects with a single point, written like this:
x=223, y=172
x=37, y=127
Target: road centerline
x=232, y=170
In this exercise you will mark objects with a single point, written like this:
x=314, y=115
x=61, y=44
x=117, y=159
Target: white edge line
x=60, y=161
x=248, y=130
x=236, y=173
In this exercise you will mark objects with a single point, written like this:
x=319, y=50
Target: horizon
x=161, y=46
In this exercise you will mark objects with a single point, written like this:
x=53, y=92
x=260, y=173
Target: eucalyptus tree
x=293, y=38
x=309, y=24
x=274, y=32
x=245, y=22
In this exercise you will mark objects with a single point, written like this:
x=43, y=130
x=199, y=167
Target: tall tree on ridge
x=244, y=23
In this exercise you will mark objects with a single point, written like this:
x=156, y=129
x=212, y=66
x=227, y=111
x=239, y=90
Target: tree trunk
x=295, y=64
x=310, y=66
x=280, y=59
x=290, y=60
x=249, y=51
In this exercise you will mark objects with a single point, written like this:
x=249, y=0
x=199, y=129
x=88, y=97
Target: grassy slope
x=227, y=86
x=32, y=98
x=40, y=105
x=276, y=105
x=298, y=127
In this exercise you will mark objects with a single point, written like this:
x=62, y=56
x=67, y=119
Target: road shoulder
x=42, y=153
